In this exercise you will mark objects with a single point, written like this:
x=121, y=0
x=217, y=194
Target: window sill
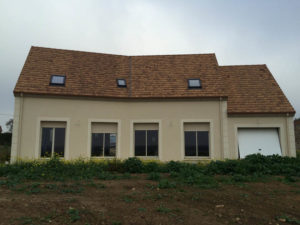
x=49, y=158
x=147, y=157
x=103, y=157
x=197, y=158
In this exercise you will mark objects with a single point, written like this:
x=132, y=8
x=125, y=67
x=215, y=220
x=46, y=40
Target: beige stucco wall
x=169, y=115
x=283, y=123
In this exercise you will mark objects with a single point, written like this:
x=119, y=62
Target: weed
x=164, y=183
x=163, y=209
x=25, y=220
x=154, y=176
x=288, y=219
x=116, y=223
x=127, y=199
x=142, y=209
x=74, y=214
x=70, y=188
x=196, y=197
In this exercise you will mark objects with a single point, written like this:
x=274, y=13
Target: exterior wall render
x=80, y=113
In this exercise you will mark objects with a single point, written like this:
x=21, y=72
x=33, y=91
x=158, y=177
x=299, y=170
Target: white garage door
x=261, y=140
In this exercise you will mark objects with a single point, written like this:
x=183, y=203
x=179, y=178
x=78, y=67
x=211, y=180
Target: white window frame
x=103, y=137
x=38, y=138
x=210, y=141
x=118, y=138
x=132, y=136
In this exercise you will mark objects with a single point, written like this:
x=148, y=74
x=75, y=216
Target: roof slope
x=253, y=89
x=250, y=89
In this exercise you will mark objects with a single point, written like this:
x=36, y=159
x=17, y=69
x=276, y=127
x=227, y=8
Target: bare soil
x=139, y=201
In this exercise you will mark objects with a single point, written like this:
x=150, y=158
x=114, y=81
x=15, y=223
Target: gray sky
x=238, y=31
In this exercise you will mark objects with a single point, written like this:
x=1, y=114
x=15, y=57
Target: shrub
x=133, y=165
x=151, y=167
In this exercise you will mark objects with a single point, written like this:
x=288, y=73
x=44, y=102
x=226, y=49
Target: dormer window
x=58, y=80
x=194, y=83
x=121, y=82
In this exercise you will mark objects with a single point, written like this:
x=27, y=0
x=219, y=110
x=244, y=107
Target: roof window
x=121, y=82
x=194, y=83
x=58, y=80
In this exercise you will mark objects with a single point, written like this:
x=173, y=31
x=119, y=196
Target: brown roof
x=253, y=89
x=250, y=89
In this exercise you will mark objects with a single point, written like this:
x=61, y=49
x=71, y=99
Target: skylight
x=121, y=82
x=58, y=80
x=194, y=83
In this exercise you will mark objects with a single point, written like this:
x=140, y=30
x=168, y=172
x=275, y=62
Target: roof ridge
x=243, y=65
x=72, y=50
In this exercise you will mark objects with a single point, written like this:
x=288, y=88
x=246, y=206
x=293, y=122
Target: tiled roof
x=249, y=88
x=253, y=89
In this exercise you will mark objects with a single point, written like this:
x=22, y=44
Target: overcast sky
x=238, y=31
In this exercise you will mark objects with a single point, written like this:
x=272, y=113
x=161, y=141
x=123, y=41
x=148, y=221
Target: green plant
x=154, y=176
x=288, y=219
x=74, y=214
x=127, y=199
x=133, y=165
x=116, y=223
x=163, y=209
x=164, y=183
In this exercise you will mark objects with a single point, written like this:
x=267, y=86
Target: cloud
x=239, y=32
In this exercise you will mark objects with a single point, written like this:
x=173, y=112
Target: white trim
x=132, y=122
x=89, y=144
x=39, y=132
x=211, y=139
x=239, y=125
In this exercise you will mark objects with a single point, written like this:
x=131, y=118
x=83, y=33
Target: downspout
x=20, y=125
x=287, y=136
x=221, y=128
x=130, y=76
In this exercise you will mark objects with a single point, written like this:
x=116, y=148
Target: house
x=166, y=107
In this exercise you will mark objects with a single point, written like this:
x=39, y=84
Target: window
x=53, y=139
x=196, y=139
x=194, y=83
x=104, y=138
x=121, y=82
x=146, y=139
x=58, y=80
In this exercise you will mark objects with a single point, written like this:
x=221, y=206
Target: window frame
x=196, y=144
x=38, y=139
x=132, y=136
x=103, y=145
x=146, y=143
x=89, y=143
x=119, y=85
x=56, y=84
x=53, y=142
x=194, y=87
x=210, y=140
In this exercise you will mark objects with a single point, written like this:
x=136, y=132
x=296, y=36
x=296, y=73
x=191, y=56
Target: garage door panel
x=263, y=141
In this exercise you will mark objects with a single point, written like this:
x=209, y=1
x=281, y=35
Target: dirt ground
x=139, y=201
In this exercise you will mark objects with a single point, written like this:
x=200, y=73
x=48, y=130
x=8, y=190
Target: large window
x=104, y=139
x=196, y=139
x=146, y=139
x=53, y=139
